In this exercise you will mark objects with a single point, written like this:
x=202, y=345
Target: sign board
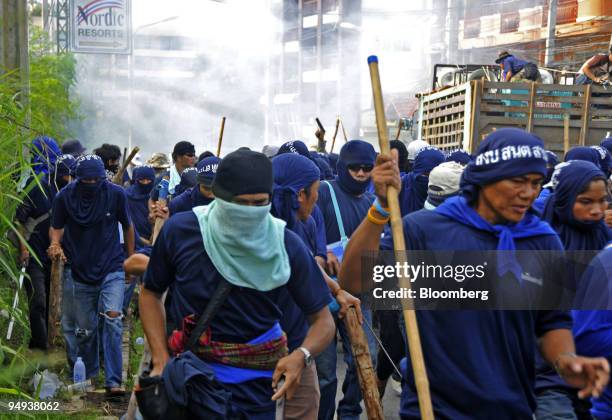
x=101, y=26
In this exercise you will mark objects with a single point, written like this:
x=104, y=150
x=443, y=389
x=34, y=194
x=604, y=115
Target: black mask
x=113, y=168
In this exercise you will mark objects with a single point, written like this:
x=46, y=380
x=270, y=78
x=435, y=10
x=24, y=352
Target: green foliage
x=45, y=111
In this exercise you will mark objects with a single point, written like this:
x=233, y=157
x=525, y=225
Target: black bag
x=531, y=72
x=153, y=400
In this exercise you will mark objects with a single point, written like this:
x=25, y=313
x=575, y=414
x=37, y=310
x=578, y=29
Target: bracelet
x=376, y=220
x=384, y=212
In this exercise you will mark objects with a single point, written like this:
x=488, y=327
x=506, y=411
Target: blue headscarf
x=414, y=184
x=87, y=203
x=326, y=171
x=296, y=147
x=354, y=152
x=459, y=156
x=44, y=154
x=583, y=153
x=189, y=179
x=292, y=173
x=506, y=153
x=138, y=191
x=138, y=200
x=573, y=178
x=64, y=166
x=605, y=159
x=553, y=160
x=607, y=144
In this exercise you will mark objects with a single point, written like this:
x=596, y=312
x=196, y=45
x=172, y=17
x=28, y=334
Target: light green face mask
x=245, y=244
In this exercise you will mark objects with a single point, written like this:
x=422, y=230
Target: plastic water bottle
x=79, y=371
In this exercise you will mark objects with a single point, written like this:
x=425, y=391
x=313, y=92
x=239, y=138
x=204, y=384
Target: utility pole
x=550, y=39
x=452, y=55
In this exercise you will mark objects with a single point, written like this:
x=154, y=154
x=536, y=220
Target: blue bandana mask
x=245, y=244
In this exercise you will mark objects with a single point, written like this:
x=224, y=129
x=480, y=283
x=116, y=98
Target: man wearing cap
x=201, y=194
x=84, y=233
x=516, y=70
x=443, y=183
x=481, y=363
x=159, y=162
x=183, y=156
x=73, y=147
x=32, y=217
x=344, y=203
x=236, y=239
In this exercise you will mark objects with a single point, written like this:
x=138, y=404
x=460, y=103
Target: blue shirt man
x=85, y=233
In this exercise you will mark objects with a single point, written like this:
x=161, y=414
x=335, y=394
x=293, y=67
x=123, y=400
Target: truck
x=460, y=116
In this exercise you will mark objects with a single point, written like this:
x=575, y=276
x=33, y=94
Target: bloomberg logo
x=100, y=26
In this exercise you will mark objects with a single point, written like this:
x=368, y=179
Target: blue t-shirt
x=93, y=252
x=187, y=200
x=480, y=363
x=294, y=322
x=321, y=239
x=593, y=329
x=139, y=213
x=179, y=261
x=513, y=64
x=353, y=210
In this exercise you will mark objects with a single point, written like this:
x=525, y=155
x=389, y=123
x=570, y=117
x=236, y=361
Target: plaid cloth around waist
x=262, y=356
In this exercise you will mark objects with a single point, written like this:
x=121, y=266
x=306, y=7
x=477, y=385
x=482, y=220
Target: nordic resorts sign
x=100, y=26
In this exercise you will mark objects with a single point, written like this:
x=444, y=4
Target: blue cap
x=207, y=168
x=372, y=59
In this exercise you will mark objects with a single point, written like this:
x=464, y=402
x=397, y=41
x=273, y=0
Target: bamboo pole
x=585, y=116
x=343, y=131
x=566, y=129
x=400, y=124
x=365, y=369
x=118, y=178
x=335, y=134
x=55, y=301
x=220, y=137
x=531, y=106
x=321, y=139
x=412, y=328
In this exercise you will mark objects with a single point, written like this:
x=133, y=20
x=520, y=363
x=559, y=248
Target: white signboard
x=100, y=26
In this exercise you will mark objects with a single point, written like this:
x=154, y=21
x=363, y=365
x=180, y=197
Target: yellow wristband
x=376, y=220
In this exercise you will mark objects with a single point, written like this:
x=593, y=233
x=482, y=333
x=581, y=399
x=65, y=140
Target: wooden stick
x=400, y=124
x=531, y=105
x=585, y=116
x=55, y=301
x=320, y=140
x=365, y=369
x=343, y=131
x=220, y=137
x=412, y=328
x=118, y=178
x=335, y=134
x=566, y=129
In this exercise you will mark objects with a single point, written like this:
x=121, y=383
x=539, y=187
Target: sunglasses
x=357, y=166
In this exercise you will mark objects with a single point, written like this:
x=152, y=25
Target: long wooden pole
x=343, y=131
x=55, y=301
x=566, y=130
x=532, y=92
x=118, y=178
x=220, y=137
x=585, y=116
x=412, y=328
x=365, y=369
x=335, y=134
x=400, y=124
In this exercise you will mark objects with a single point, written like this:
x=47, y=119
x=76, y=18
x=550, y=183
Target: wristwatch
x=307, y=356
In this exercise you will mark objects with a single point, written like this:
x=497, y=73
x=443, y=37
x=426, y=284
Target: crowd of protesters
x=273, y=243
